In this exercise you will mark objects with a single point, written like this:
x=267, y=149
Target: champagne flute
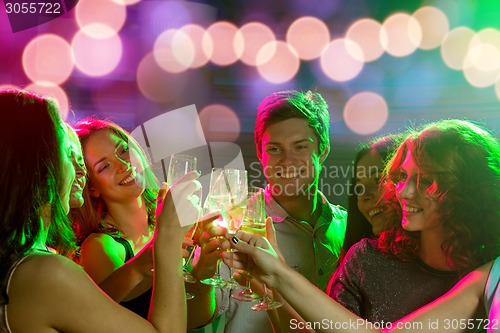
x=228, y=188
x=233, y=210
x=212, y=205
x=179, y=166
x=266, y=303
x=255, y=223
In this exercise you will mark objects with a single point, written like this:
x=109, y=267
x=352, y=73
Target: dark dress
x=140, y=304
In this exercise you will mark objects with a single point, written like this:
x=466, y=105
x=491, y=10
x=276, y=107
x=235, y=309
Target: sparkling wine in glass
x=228, y=193
x=214, y=203
x=234, y=186
x=255, y=223
x=179, y=166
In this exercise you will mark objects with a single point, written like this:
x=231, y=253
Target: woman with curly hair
x=443, y=185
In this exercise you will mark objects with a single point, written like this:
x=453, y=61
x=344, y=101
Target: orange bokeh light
x=455, y=47
x=174, y=51
x=202, y=47
x=255, y=35
x=220, y=123
x=338, y=62
x=96, y=57
x=308, y=36
x=434, y=25
x=365, y=33
x=156, y=84
x=47, y=58
x=106, y=12
x=400, y=35
x=227, y=43
x=55, y=93
x=366, y=112
x=283, y=63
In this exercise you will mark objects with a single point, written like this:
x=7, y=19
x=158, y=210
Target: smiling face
x=68, y=172
x=290, y=158
x=112, y=175
x=419, y=210
x=76, y=199
x=368, y=172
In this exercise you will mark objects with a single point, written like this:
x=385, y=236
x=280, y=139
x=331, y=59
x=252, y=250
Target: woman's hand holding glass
x=255, y=255
x=211, y=240
x=260, y=259
x=254, y=222
x=228, y=192
x=179, y=166
x=227, y=195
x=234, y=209
x=181, y=200
x=176, y=211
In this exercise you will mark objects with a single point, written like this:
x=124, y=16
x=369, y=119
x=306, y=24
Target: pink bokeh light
x=47, y=58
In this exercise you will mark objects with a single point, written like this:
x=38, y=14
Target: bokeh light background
x=381, y=65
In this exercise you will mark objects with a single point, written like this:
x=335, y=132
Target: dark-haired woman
x=42, y=291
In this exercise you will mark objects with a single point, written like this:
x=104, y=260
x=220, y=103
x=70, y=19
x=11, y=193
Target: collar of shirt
x=279, y=214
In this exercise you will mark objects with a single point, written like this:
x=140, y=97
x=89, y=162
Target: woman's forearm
x=202, y=308
x=461, y=305
x=319, y=312
x=290, y=321
x=169, y=282
x=126, y=283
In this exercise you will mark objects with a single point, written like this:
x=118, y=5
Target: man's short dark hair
x=288, y=104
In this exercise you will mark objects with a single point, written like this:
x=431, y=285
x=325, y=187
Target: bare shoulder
x=49, y=270
x=49, y=292
x=101, y=255
x=40, y=281
x=44, y=263
x=98, y=238
x=101, y=243
x=481, y=273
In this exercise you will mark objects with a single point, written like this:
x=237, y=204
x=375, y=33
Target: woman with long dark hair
x=42, y=291
x=367, y=211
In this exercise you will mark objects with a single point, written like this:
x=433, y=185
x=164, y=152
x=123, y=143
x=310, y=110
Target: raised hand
x=211, y=240
x=256, y=256
x=177, y=209
x=187, y=242
x=271, y=237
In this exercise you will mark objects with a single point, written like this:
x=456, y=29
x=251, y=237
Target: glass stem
x=266, y=295
x=217, y=268
x=188, y=260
